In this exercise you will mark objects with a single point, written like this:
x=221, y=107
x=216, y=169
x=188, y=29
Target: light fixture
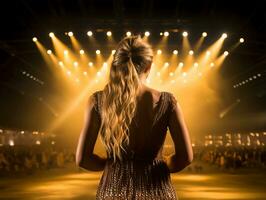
x=51, y=34
x=226, y=53
x=166, y=33
x=241, y=40
x=147, y=33
x=159, y=51
x=34, y=39
x=49, y=51
x=175, y=52
x=128, y=33
x=70, y=34
x=81, y=52
x=191, y=52
x=185, y=34
x=224, y=35
x=204, y=34
x=89, y=33
x=98, y=51
x=109, y=33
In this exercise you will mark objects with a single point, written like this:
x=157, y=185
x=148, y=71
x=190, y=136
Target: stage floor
x=70, y=183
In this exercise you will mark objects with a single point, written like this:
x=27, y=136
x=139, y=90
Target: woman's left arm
x=85, y=158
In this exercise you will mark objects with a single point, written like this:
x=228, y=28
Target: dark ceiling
x=23, y=19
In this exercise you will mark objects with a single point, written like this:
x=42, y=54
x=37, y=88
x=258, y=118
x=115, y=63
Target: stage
x=70, y=183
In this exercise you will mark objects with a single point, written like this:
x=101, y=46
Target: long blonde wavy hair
x=132, y=57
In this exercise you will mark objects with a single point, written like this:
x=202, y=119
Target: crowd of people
x=227, y=158
x=29, y=159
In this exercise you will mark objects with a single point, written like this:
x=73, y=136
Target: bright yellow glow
x=81, y=52
x=204, y=34
x=185, y=34
x=128, y=33
x=171, y=74
x=90, y=64
x=166, y=64
x=161, y=33
x=65, y=52
x=191, y=52
x=70, y=34
x=175, y=52
x=196, y=64
x=147, y=33
x=76, y=64
x=208, y=53
x=181, y=64
x=241, y=40
x=61, y=63
x=51, y=34
x=89, y=33
x=184, y=74
x=212, y=64
x=69, y=73
x=224, y=35
x=85, y=73
x=113, y=51
x=159, y=51
x=166, y=33
x=226, y=53
x=109, y=33
x=49, y=51
x=98, y=51
x=34, y=39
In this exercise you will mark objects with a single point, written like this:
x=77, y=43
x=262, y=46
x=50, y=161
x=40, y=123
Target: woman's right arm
x=183, y=155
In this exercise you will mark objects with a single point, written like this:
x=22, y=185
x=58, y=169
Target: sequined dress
x=142, y=175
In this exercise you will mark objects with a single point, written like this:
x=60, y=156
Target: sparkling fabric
x=140, y=176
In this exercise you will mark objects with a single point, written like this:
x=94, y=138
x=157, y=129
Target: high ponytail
x=132, y=57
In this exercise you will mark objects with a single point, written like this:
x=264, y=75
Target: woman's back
x=142, y=174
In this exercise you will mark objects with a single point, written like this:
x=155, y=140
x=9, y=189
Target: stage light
x=60, y=63
x=159, y=51
x=166, y=64
x=105, y=64
x=196, y=64
x=241, y=40
x=49, y=51
x=34, y=39
x=175, y=52
x=69, y=73
x=181, y=64
x=204, y=34
x=191, y=52
x=147, y=33
x=171, y=74
x=226, y=53
x=259, y=75
x=98, y=51
x=161, y=33
x=224, y=35
x=81, y=52
x=166, y=33
x=109, y=33
x=184, y=74
x=85, y=73
x=90, y=64
x=89, y=33
x=98, y=73
x=208, y=53
x=113, y=51
x=66, y=52
x=212, y=64
x=70, y=34
x=128, y=33
x=76, y=64
x=185, y=34
x=51, y=34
